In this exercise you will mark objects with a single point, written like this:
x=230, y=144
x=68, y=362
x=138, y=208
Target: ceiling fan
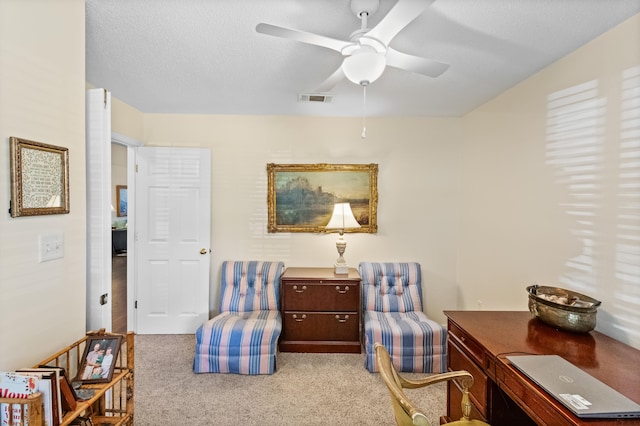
x=367, y=52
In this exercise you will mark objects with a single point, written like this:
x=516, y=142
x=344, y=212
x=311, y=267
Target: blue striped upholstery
x=393, y=316
x=243, y=337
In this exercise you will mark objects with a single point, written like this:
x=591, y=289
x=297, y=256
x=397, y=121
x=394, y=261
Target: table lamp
x=341, y=219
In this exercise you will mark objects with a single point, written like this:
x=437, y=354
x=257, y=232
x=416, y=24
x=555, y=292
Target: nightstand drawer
x=334, y=296
x=320, y=311
x=315, y=326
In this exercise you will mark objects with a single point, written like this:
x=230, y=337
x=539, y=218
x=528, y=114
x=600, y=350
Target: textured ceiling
x=204, y=56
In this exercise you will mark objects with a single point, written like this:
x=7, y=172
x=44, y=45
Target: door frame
x=131, y=144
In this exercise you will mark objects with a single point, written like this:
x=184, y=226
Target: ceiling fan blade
x=428, y=67
x=398, y=17
x=331, y=81
x=303, y=36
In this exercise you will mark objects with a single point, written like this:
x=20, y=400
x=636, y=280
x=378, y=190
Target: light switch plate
x=51, y=247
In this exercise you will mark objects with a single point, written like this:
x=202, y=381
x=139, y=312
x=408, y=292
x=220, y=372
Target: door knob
x=203, y=251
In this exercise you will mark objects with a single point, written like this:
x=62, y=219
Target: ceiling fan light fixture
x=364, y=66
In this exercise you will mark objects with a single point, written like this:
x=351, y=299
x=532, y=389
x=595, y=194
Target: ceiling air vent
x=314, y=97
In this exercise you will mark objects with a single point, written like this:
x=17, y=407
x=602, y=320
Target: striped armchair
x=393, y=316
x=243, y=337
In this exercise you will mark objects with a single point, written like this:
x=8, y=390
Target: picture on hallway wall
x=39, y=178
x=121, y=200
x=99, y=359
x=301, y=196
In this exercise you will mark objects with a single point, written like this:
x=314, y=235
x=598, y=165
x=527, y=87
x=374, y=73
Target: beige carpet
x=307, y=389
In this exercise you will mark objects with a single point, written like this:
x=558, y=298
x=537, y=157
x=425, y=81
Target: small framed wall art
x=121, y=200
x=301, y=196
x=39, y=178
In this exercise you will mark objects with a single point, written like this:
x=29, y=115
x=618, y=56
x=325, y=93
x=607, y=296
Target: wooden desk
x=479, y=341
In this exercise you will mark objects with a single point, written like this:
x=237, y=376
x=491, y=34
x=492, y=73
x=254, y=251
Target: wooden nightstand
x=320, y=311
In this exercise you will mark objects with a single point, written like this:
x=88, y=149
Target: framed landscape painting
x=301, y=196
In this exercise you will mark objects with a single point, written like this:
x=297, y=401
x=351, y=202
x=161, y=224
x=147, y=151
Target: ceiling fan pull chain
x=364, y=111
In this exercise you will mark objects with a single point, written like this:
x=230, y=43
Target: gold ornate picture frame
x=301, y=196
x=39, y=178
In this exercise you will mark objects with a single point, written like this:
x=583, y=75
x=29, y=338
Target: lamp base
x=341, y=269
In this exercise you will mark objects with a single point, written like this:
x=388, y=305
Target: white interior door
x=98, y=156
x=173, y=224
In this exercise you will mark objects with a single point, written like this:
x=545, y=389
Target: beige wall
x=527, y=217
x=481, y=202
x=417, y=183
x=126, y=120
x=42, y=305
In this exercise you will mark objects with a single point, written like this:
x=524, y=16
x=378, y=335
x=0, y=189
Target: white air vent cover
x=314, y=97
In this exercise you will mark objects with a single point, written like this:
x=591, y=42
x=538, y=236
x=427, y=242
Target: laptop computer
x=583, y=394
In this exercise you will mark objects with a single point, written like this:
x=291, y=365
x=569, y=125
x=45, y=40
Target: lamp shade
x=364, y=66
x=342, y=217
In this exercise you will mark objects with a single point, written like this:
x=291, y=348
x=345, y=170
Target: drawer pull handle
x=346, y=289
x=295, y=288
x=346, y=317
x=302, y=318
x=463, y=339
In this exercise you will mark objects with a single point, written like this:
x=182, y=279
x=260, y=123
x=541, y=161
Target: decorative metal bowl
x=564, y=309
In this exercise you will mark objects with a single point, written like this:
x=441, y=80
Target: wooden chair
x=405, y=411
